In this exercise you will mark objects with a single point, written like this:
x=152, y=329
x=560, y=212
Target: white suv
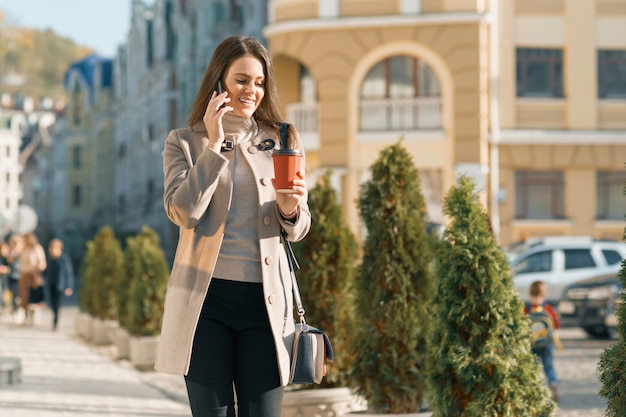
x=563, y=260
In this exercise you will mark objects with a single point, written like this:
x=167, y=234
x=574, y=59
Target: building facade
x=525, y=97
x=157, y=74
x=12, y=125
x=562, y=101
x=86, y=138
x=144, y=111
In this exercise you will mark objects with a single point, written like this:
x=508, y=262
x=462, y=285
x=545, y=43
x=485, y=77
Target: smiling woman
x=228, y=320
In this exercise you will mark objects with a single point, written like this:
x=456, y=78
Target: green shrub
x=147, y=273
x=481, y=362
x=392, y=288
x=327, y=258
x=101, y=268
x=87, y=286
x=612, y=365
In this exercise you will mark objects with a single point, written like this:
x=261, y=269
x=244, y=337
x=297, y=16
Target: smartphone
x=220, y=90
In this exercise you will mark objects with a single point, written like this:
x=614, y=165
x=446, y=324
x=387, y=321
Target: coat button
x=266, y=181
x=252, y=149
x=269, y=260
x=267, y=220
x=271, y=299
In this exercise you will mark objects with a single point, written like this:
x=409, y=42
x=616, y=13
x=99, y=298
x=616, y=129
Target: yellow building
x=90, y=177
x=527, y=97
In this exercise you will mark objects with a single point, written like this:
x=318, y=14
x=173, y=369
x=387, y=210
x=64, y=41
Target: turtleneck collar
x=236, y=125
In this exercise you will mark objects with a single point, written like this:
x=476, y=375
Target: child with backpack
x=544, y=322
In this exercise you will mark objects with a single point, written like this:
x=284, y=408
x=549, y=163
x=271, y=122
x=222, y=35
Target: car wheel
x=598, y=332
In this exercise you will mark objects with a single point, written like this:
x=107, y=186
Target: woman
x=228, y=321
x=16, y=245
x=32, y=265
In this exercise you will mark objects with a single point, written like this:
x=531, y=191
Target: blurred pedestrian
x=16, y=245
x=228, y=317
x=544, y=322
x=32, y=263
x=4, y=275
x=59, y=277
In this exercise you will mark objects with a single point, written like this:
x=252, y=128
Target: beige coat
x=197, y=196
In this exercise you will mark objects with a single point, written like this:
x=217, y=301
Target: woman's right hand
x=212, y=119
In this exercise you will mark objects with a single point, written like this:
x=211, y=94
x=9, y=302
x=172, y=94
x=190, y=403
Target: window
x=612, y=257
x=77, y=98
x=121, y=202
x=578, y=258
x=76, y=196
x=76, y=156
x=539, y=195
x=121, y=151
x=612, y=74
x=151, y=132
x=400, y=76
x=609, y=199
x=537, y=262
x=539, y=72
x=236, y=11
x=400, y=93
x=150, y=41
x=218, y=13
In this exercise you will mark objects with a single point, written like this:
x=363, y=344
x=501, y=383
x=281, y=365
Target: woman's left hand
x=289, y=202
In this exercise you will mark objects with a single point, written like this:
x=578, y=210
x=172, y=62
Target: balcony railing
x=401, y=114
x=422, y=113
x=303, y=116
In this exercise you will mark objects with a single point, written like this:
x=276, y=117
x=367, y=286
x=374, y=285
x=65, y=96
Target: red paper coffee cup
x=287, y=162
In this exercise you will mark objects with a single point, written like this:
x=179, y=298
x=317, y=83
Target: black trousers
x=14, y=286
x=55, y=303
x=234, y=355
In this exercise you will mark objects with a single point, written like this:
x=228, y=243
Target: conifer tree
x=392, y=287
x=102, y=267
x=148, y=275
x=481, y=362
x=86, y=297
x=612, y=365
x=327, y=258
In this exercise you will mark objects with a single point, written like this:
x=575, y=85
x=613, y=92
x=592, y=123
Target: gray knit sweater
x=239, y=257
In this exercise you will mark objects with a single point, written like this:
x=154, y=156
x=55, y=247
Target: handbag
x=311, y=346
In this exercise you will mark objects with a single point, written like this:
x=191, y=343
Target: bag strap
x=283, y=136
x=291, y=259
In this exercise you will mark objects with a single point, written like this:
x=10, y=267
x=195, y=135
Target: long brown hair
x=226, y=52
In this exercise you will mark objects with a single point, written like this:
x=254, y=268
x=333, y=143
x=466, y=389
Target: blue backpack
x=541, y=327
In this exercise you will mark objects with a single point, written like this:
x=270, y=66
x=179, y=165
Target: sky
x=99, y=24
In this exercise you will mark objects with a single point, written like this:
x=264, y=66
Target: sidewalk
x=63, y=376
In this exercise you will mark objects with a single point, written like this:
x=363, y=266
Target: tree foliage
x=327, y=260
x=147, y=272
x=392, y=287
x=481, y=363
x=612, y=364
x=102, y=267
x=88, y=285
x=40, y=56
